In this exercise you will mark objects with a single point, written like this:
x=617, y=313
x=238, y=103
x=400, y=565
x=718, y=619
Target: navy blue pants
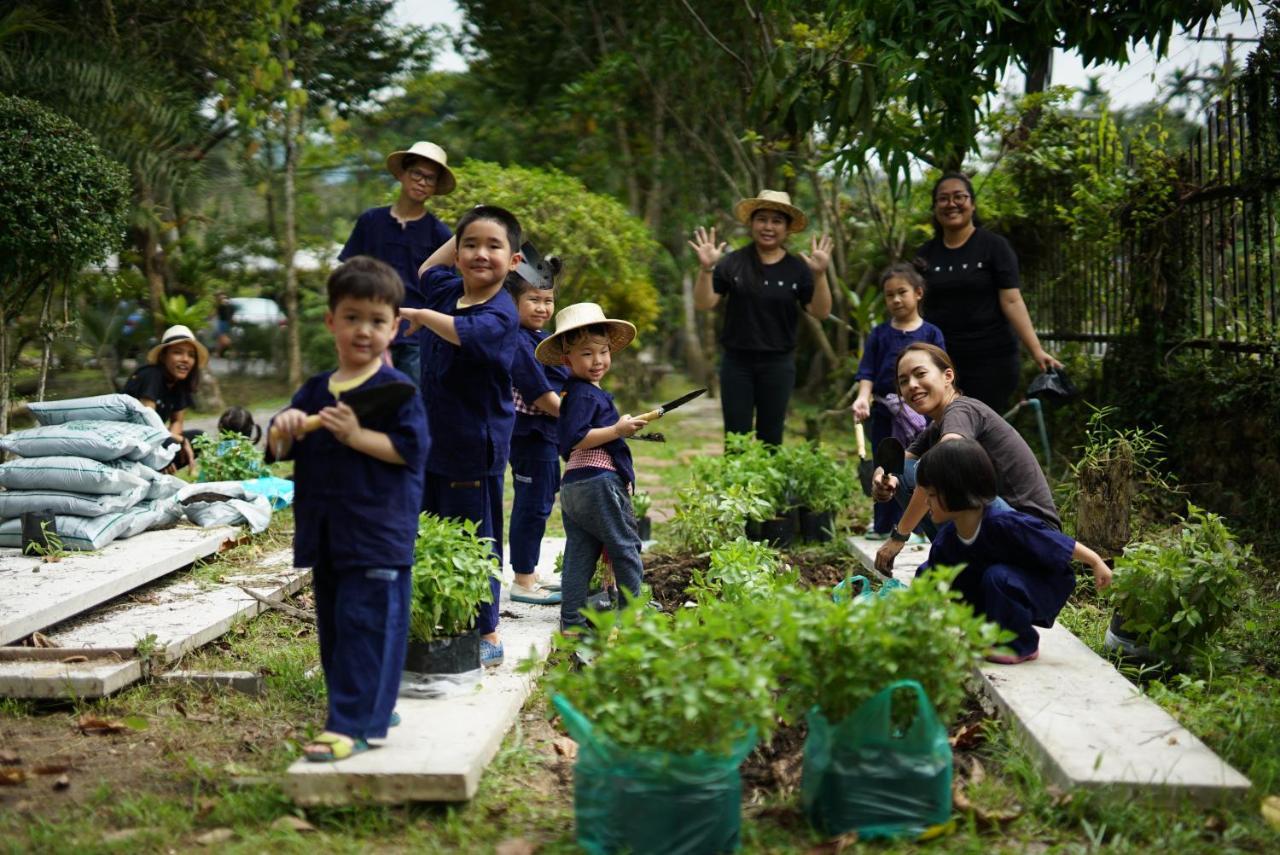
x=1017, y=599
x=886, y=514
x=363, y=622
x=406, y=356
x=535, y=475
x=597, y=515
x=480, y=501
x=756, y=387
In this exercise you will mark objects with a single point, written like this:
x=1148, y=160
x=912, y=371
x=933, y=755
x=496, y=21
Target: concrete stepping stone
x=1086, y=725
x=182, y=614
x=443, y=745
x=37, y=595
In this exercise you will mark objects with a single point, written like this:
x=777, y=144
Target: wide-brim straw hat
x=433, y=153
x=772, y=200
x=551, y=350
x=179, y=334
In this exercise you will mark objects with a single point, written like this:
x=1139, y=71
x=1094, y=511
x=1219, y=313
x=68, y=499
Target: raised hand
x=704, y=244
x=819, y=255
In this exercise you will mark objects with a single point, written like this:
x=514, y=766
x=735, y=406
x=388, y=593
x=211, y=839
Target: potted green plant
x=641, y=501
x=451, y=571
x=741, y=569
x=1172, y=595
x=823, y=487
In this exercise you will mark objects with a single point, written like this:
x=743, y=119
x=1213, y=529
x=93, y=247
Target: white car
x=256, y=312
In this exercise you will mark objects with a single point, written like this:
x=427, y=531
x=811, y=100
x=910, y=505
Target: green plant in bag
x=818, y=480
x=641, y=501
x=706, y=517
x=228, y=457
x=1176, y=593
x=451, y=571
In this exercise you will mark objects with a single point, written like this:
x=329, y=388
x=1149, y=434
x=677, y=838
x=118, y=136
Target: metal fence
x=1204, y=271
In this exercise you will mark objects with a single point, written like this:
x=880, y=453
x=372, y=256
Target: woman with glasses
x=972, y=295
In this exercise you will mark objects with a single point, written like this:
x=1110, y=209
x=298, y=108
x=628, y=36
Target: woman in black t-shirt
x=972, y=295
x=168, y=381
x=764, y=287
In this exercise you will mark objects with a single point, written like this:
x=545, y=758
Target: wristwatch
x=894, y=534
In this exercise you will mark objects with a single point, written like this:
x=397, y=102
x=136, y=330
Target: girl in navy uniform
x=357, y=495
x=595, y=500
x=1017, y=567
x=535, y=388
x=903, y=288
x=472, y=332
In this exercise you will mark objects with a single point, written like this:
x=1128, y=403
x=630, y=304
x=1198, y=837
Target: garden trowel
x=891, y=457
x=866, y=466
x=367, y=403
x=653, y=415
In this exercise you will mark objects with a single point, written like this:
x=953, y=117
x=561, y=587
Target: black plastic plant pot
x=817, y=526
x=645, y=526
x=36, y=528
x=752, y=531
x=780, y=531
x=456, y=654
x=1126, y=644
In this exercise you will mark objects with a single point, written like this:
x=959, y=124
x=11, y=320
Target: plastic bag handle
x=925, y=716
x=848, y=582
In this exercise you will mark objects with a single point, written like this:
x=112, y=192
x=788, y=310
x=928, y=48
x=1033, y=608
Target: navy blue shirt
x=381, y=235
x=358, y=511
x=879, y=361
x=1014, y=538
x=586, y=406
x=531, y=379
x=467, y=387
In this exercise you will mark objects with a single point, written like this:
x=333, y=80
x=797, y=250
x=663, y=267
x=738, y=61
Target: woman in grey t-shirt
x=926, y=381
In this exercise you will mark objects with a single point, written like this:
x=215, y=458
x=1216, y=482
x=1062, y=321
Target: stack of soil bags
x=94, y=464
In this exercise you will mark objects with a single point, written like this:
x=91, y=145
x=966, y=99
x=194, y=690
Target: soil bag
x=15, y=503
x=864, y=775
x=105, y=408
x=653, y=802
x=97, y=440
x=73, y=532
x=70, y=474
x=225, y=503
x=148, y=516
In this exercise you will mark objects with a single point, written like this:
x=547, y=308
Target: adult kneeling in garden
x=927, y=382
x=764, y=287
x=168, y=383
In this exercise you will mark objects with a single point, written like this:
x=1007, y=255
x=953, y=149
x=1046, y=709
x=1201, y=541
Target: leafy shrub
x=741, y=569
x=706, y=516
x=641, y=501
x=451, y=570
x=229, y=457
x=816, y=478
x=1176, y=593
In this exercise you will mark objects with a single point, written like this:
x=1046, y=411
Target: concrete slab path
x=1084, y=722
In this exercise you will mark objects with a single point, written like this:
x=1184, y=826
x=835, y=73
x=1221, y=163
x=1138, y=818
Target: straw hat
x=771, y=200
x=431, y=152
x=179, y=334
x=551, y=350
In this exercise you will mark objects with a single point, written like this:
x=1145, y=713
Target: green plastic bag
x=861, y=775
x=653, y=801
x=860, y=588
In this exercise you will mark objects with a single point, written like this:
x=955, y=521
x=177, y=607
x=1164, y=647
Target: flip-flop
x=340, y=748
x=541, y=596
x=395, y=719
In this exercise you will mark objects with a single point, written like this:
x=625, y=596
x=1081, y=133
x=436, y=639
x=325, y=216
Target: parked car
x=257, y=327
x=257, y=312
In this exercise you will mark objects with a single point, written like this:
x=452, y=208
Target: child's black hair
x=501, y=216
x=239, y=420
x=366, y=278
x=572, y=337
x=902, y=270
x=961, y=471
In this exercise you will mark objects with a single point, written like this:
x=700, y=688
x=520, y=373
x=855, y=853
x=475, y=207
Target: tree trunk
x=46, y=341
x=1106, y=495
x=6, y=376
x=292, y=144
x=694, y=356
x=149, y=247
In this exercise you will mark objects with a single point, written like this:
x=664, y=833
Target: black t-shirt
x=762, y=301
x=962, y=292
x=148, y=382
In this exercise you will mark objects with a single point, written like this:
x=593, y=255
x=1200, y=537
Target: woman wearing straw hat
x=763, y=287
x=167, y=383
x=405, y=234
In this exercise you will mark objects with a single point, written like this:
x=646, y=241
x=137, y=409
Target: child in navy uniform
x=358, y=492
x=903, y=288
x=473, y=330
x=595, y=501
x=405, y=234
x=1017, y=567
x=535, y=461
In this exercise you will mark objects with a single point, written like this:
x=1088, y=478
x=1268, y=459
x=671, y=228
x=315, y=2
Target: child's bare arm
x=438, y=322
x=341, y=421
x=1086, y=556
x=444, y=256
x=549, y=403
x=621, y=429
x=862, y=405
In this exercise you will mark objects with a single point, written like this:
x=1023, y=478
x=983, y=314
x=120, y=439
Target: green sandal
x=338, y=747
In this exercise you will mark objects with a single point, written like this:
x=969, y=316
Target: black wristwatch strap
x=895, y=535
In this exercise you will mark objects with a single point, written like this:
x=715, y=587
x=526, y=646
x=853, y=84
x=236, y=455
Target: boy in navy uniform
x=405, y=234
x=358, y=492
x=473, y=329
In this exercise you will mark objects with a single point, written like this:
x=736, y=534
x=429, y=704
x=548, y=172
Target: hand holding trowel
x=891, y=459
x=365, y=403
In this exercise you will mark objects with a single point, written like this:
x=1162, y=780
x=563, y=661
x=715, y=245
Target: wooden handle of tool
x=862, y=440
x=311, y=424
x=652, y=415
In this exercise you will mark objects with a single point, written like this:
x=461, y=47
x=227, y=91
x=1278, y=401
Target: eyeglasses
x=422, y=177
x=954, y=198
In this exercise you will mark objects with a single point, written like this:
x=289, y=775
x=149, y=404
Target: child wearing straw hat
x=405, y=234
x=168, y=382
x=595, y=500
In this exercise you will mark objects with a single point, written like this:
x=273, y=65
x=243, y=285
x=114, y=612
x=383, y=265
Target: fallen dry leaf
x=1213, y=822
x=293, y=823
x=215, y=836
x=11, y=776
x=977, y=772
x=565, y=747
x=8, y=758
x=39, y=639
x=515, y=846
x=63, y=783
x=967, y=737
x=72, y=660
x=92, y=725
x=1271, y=811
